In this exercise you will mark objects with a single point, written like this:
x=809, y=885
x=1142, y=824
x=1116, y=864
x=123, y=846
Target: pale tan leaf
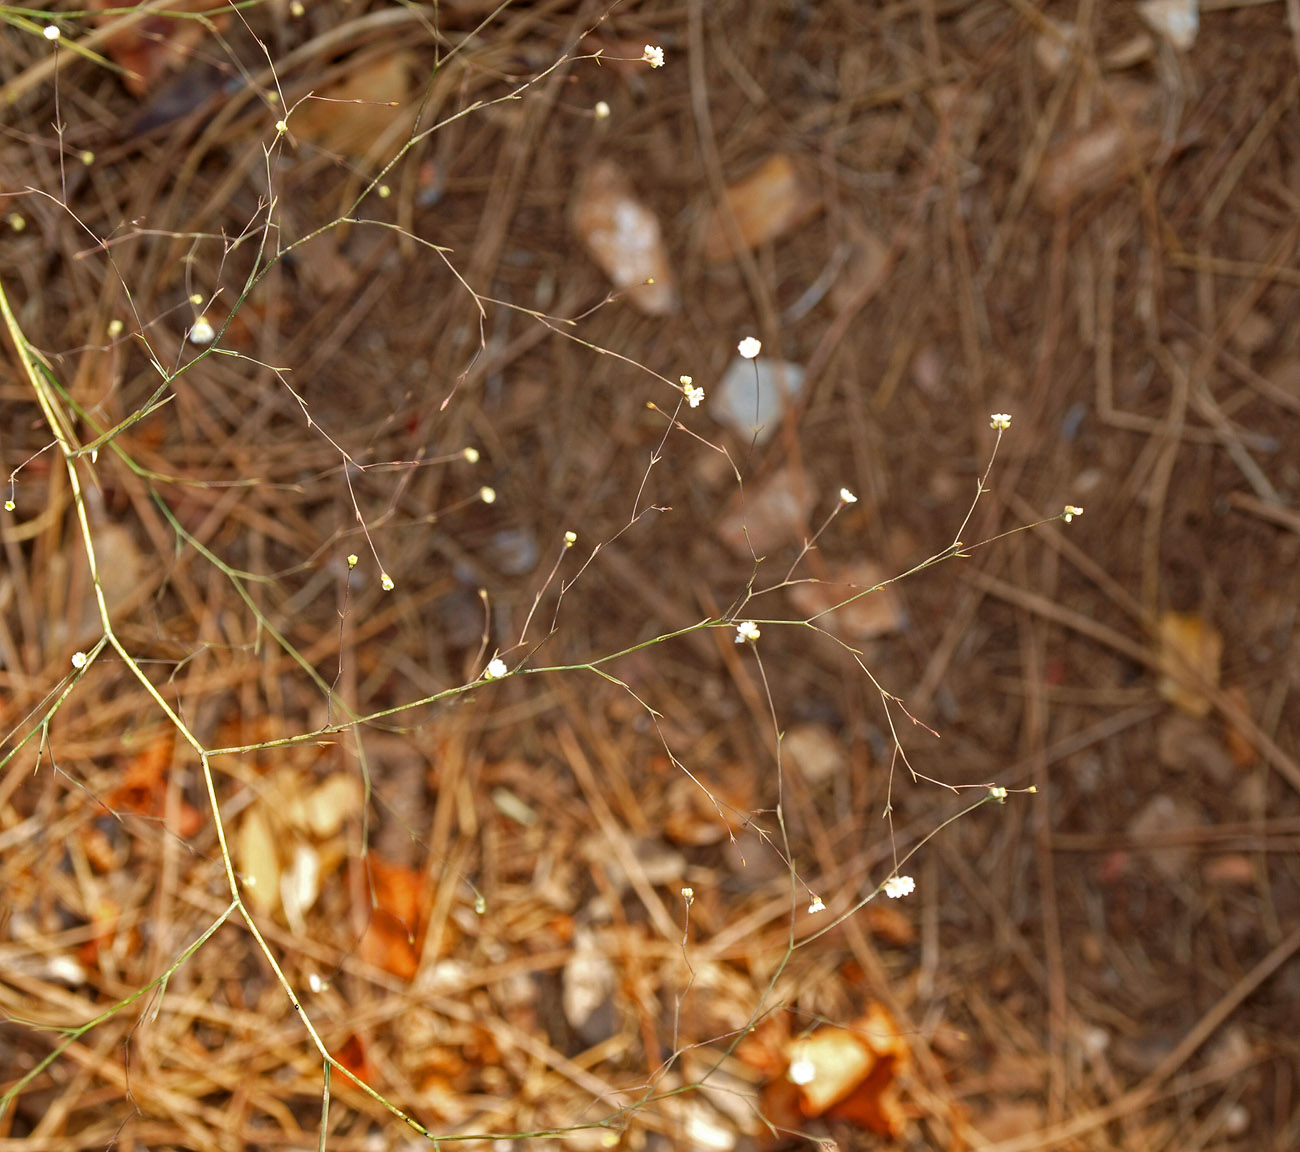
x=257, y=857
x=770, y=202
x=624, y=238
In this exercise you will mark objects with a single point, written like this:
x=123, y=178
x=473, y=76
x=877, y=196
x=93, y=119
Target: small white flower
x=79, y=659
x=1071, y=511
x=998, y=793
x=353, y=560
x=601, y=110
x=847, y=496
x=487, y=495
x=801, y=1071
x=386, y=582
x=570, y=539
x=282, y=126
x=52, y=32
x=688, y=894
x=1000, y=420
x=693, y=394
x=202, y=332
x=115, y=327
x=496, y=669
x=899, y=886
x=470, y=454
x=815, y=905
x=87, y=157
x=10, y=505
x=749, y=347
x=747, y=630
x=653, y=56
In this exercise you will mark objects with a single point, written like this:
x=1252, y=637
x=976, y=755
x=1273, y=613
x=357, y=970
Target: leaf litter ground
x=981, y=207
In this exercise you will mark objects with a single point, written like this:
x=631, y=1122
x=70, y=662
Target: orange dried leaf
x=369, y=106
x=394, y=931
x=103, y=916
x=1189, y=651
x=624, y=238
x=352, y=1055
x=1232, y=869
x=766, y=205
x=1240, y=745
x=144, y=787
x=764, y=1047
x=890, y=923
x=709, y=810
x=852, y=1073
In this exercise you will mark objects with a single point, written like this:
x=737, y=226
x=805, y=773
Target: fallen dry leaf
x=1189, y=651
x=770, y=202
x=257, y=855
x=1175, y=20
x=143, y=787
x=771, y=515
x=876, y=614
x=1241, y=747
x=852, y=1073
x=1231, y=869
x=624, y=238
x=1165, y=816
x=154, y=45
x=367, y=109
x=1099, y=157
x=587, y=983
x=888, y=922
x=815, y=751
x=395, y=929
x=710, y=810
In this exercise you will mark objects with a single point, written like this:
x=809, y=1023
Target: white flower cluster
x=896, y=887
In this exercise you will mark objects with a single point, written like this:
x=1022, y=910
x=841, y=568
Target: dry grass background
x=1067, y=976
